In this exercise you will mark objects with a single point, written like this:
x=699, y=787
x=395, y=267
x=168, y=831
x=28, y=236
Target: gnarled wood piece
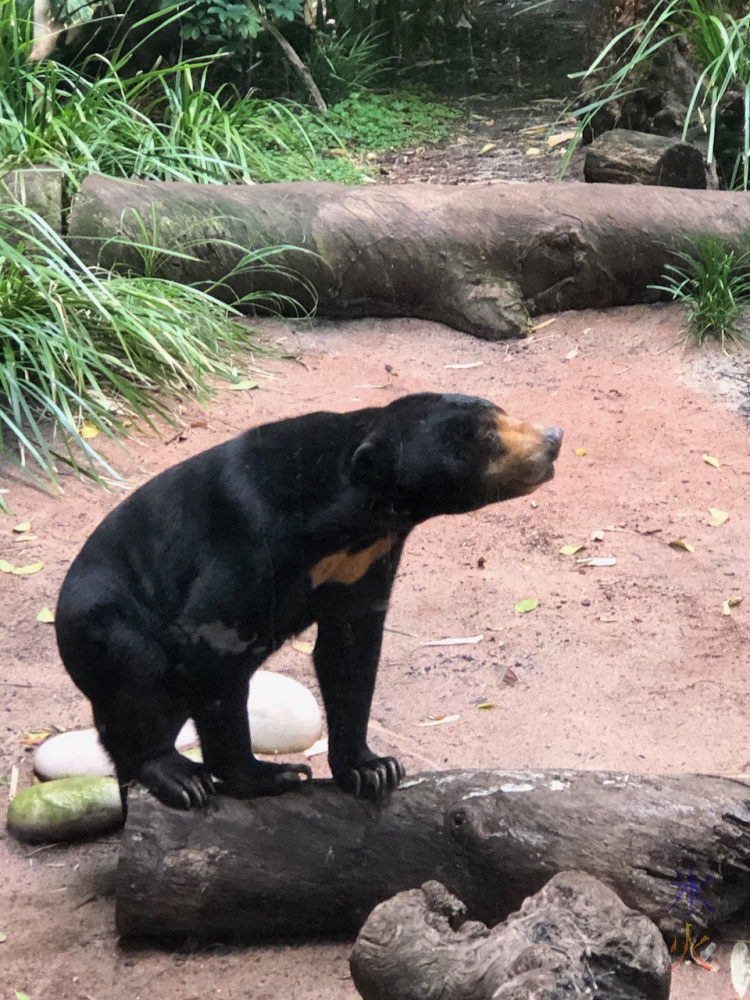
x=626, y=157
x=480, y=259
x=316, y=862
x=575, y=937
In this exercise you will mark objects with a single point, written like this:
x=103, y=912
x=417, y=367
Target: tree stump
x=316, y=862
x=575, y=937
x=622, y=156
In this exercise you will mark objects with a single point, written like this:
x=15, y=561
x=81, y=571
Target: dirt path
x=631, y=667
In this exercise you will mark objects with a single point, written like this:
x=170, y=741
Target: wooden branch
x=317, y=861
x=480, y=259
x=573, y=938
x=295, y=60
x=626, y=157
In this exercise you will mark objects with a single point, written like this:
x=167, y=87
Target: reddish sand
x=631, y=667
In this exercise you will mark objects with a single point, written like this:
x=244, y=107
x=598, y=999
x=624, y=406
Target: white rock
x=284, y=718
x=284, y=715
x=70, y=754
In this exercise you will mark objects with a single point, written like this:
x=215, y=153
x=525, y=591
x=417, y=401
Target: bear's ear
x=372, y=463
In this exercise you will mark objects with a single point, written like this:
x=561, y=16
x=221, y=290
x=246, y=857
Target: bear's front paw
x=177, y=781
x=371, y=779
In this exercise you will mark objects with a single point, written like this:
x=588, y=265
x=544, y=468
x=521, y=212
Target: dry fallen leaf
x=580, y=452
x=485, y=705
x=486, y=148
x=597, y=536
x=303, y=645
x=560, y=137
x=88, y=430
x=679, y=543
x=732, y=602
x=26, y=570
x=527, y=605
x=33, y=737
x=468, y=364
x=533, y=151
x=571, y=354
x=598, y=561
x=710, y=460
x=438, y=720
x=570, y=550
x=3, y=937
x=468, y=640
x=510, y=677
x=6, y=567
x=717, y=516
x=13, y=787
x=23, y=527
x=28, y=537
x=45, y=615
x=541, y=326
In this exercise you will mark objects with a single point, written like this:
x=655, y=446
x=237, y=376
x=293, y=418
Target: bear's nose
x=552, y=440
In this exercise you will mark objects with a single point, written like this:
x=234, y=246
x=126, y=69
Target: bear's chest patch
x=348, y=567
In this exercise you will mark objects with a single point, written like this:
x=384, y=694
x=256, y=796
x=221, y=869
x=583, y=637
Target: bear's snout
x=552, y=440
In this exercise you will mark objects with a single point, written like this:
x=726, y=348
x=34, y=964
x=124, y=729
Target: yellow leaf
x=23, y=527
x=26, y=570
x=710, y=460
x=533, y=151
x=486, y=705
x=45, y=615
x=580, y=452
x=570, y=550
x=541, y=326
x=729, y=604
x=3, y=937
x=486, y=148
x=560, y=137
x=528, y=605
x=33, y=737
x=6, y=567
x=88, y=430
x=678, y=543
x=718, y=516
x=24, y=538
x=303, y=645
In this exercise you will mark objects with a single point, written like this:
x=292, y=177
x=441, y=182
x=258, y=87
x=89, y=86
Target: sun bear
x=187, y=586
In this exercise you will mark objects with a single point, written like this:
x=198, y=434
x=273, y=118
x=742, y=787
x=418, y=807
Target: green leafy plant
x=713, y=282
x=720, y=45
x=374, y=121
x=347, y=62
x=79, y=348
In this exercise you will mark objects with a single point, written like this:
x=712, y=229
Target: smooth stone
x=284, y=718
x=65, y=809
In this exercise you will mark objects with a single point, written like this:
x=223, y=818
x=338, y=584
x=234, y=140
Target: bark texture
x=575, y=937
x=626, y=157
x=480, y=259
x=316, y=862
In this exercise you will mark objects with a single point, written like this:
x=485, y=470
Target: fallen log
x=480, y=259
x=573, y=938
x=623, y=156
x=316, y=862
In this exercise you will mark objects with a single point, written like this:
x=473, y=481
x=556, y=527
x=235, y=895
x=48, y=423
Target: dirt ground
x=632, y=667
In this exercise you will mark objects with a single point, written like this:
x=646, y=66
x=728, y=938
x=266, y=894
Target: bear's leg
x=220, y=716
x=124, y=673
x=346, y=662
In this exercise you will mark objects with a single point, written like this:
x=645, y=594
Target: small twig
x=13, y=684
x=44, y=847
x=670, y=348
x=400, y=631
x=623, y=370
x=398, y=740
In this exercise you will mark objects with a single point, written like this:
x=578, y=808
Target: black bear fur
x=187, y=586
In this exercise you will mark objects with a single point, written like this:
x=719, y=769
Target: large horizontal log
x=316, y=862
x=480, y=259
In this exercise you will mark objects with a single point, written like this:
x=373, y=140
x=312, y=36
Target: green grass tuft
x=713, y=282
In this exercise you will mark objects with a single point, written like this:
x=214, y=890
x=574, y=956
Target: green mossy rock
x=65, y=809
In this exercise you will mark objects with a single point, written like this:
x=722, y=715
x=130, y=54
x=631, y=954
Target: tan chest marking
x=348, y=567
